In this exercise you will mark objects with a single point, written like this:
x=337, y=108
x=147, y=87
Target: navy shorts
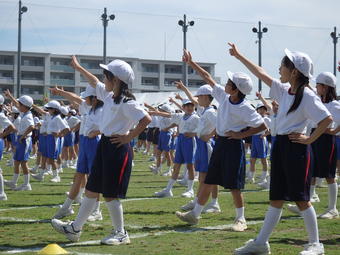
x=69, y=139
x=76, y=137
x=87, y=153
x=259, y=147
x=35, y=136
x=164, y=141
x=155, y=136
x=149, y=134
x=324, y=156
x=185, y=150
x=111, y=169
x=338, y=147
x=290, y=174
x=202, y=155
x=23, y=149
x=227, y=165
x=142, y=136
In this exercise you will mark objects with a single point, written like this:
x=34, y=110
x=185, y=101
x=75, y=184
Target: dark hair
x=98, y=104
x=123, y=89
x=56, y=111
x=302, y=80
x=214, y=106
x=240, y=95
x=330, y=95
x=211, y=98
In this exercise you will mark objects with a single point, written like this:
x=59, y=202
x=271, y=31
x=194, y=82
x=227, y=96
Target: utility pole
x=105, y=20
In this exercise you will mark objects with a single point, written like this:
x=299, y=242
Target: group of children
x=302, y=124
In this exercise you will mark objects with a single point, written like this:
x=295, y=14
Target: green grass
x=151, y=222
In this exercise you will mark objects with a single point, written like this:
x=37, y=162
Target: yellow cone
x=53, y=249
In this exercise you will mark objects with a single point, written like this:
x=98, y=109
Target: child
x=227, y=162
x=290, y=174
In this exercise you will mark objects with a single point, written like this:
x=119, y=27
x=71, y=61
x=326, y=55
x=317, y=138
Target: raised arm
x=181, y=86
x=264, y=101
x=92, y=80
x=203, y=73
x=38, y=109
x=258, y=71
x=171, y=100
x=66, y=94
x=151, y=108
x=8, y=94
x=162, y=114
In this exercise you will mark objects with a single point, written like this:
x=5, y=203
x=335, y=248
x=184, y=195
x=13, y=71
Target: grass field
x=151, y=223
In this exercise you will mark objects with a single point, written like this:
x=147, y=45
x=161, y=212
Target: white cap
x=90, y=91
x=53, y=104
x=301, y=61
x=26, y=100
x=63, y=110
x=186, y=101
x=259, y=105
x=73, y=111
x=242, y=81
x=2, y=99
x=326, y=78
x=15, y=110
x=204, y=90
x=121, y=69
x=166, y=107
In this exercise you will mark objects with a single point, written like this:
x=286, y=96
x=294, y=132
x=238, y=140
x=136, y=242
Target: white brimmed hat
x=89, y=91
x=301, y=61
x=15, y=110
x=326, y=78
x=204, y=90
x=259, y=105
x=186, y=101
x=26, y=100
x=2, y=99
x=73, y=111
x=166, y=107
x=64, y=110
x=242, y=81
x=53, y=104
x=121, y=69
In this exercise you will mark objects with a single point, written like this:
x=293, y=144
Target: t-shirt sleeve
x=4, y=121
x=62, y=124
x=219, y=93
x=212, y=117
x=101, y=91
x=251, y=117
x=314, y=109
x=176, y=118
x=335, y=111
x=276, y=90
x=132, y=110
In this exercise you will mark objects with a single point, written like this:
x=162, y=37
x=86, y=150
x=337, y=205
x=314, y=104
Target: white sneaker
x=251, y=247
x=38, y=177
x=212, y=208
x=152, y=159
x=55, y=179
x=294, y=209
x=183, y=182
x=313, y=249
x=63, y=212
x=116, y=238
x=3, y=197
x=77, y=200
x=189, y=206
x=315, y=198
x=264, y=185
x=167, y=173
x=34, y=170
x=188, y=217
x=188, y=194
x=250, y=180
x=96, y=215
x=156, y=170
x=330, y=214
x=66, y=229
x=239, y=225
x=164, y=193
x=23, y=187
x=60, y=170
x=10, y=184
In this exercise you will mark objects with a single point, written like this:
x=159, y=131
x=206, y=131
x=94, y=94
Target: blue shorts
x=13, y=138
x=185, y=150
x=23, y=149
x=76, y=137
x=53, y=146
x=2, y=145
x=173, y=143
x=69, y=139
x=43, y=145
x=133, y=142
x=338, y=147
x=164, y=141
x=259, y=147
x=87, y=153
x=202, y=155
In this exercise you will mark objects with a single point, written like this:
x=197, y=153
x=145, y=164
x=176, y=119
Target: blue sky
x=148, y=29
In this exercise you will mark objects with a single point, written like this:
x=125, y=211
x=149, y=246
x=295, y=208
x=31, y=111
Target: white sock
x=67, y=204
x=185, y=175
x=15, y=178
x=197, y=209
x=332, y=195
x=273, y=216
x=312, y=190
x=240, y=213
x=97, y=207
x=214, y=201
x=55, y=173
x=26, y=179
x=2, y=191
x=81, y=192
x=171, y=183
x=264, y=174
x=86, y=208
x=251, y=174
x=190, y=185
x=116, y=212
x=49, y=167
x=309, y=217
x=195, y=200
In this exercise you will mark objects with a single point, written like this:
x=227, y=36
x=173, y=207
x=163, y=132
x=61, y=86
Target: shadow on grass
x=301, y=242
x=149, y=212
x=37, y=246
x=10, y=223
x=31, y=205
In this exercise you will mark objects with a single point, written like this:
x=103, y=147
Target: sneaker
x=294, y=209
x=188, y=194
x=10, y=184
x=116, y=238
x=250, y=180
x=264, y=185
x=183, y=182
x=152, y=159
x=313, y=249
x=239, y=225
x=156, y=170
x=188, y=217
x=96, y=215
x=315, y=199
x=23, y=187
x=39, y=177
x=10, y=163
x=164, y=193
x=251, y=247
x=77, y=200
x=212, y=208
x=167, y=173
x=189, y=206
x=60, y=170
x=34, y=170
x=63, y=212
x=66, y=229
x=3, y=197
x=330, y=214
x=55, y=179
x=319, y=183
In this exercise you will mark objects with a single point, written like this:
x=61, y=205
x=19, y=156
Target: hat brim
x=230, y=75
x=289, y=54
x=105, y=67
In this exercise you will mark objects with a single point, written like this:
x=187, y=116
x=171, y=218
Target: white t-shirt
x=164, y=122
x=93, y=120
x=207, y=122
x=272, y=126
x=45, y=119
x=154, y=122
x=267, y=121
x=186, y=123
x=334, y=108
x=4, y=121
x=72, y=121
x=16, y=122
x=25, y=122
x=56, y=124
x=84, y=111
x=233, y=117
x=310, y=108
x=118, y=118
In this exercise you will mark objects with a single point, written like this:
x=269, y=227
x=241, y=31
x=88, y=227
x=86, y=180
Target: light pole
x=335, y=38
x=105, y=20
x=184, y=24
x=22, y=9
x=259, y=32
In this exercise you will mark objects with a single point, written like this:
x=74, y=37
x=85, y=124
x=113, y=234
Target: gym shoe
x=212, y=208
x=239, y=225
x=264, y=185
x=55, y=179
x=188, y=194
x=164, y=193
x=39, y=177
x=294, y=209
x=188, y=217
x=34, y=170
x=167, y=173
x=251, y=247
x=10, y=184
x=96, y=215
x=116, y=238
x=313, y=249
x=250, y=180
x=23, y=187
x=183, y=182
x=63, y=212
x=66, y=229
x=330, y=214
x=189, y=206
x=152, y=159
x=315, y=199
x=3, y=197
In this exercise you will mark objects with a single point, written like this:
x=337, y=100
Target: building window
x=195, y=83
x=25, y=75
x=170, y=82
x=60, y=61
x=148, y=81
x=32, y=90
x=32, y=61
x=8, y=75
x=150, y=68
x=99, y=76
x=62, y=78
x=192, y=71
x=6, y=60
x=90, y=64
x=5, y=87
x=173, y=69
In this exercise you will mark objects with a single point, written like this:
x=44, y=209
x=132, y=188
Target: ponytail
x=123, y=91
